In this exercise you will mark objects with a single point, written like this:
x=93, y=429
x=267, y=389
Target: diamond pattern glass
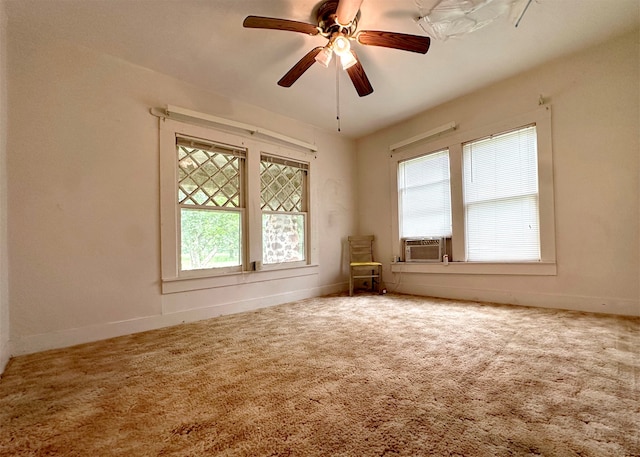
x=208, y=178
x=282, y=187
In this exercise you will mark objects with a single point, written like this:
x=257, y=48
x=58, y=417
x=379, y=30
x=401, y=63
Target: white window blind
x=425, y=196
x=500, y=186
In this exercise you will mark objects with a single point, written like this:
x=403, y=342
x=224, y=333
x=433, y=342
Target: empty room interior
x=180, y=181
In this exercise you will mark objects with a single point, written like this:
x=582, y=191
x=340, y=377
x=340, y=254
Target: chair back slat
x=361, y=248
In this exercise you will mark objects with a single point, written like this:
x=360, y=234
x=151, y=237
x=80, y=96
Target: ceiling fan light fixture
x=341, y=45
x=347, y=60
x=324, y=56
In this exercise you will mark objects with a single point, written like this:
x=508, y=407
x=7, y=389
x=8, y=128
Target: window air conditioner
x=423, y=249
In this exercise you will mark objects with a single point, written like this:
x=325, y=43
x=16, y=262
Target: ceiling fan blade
x=413, y=43
x=359, y=78
x=347, y=11
x=298, y=69
x=260, y=22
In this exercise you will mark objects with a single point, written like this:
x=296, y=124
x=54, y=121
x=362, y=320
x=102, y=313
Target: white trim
x=70, y=337
x=175, y=281
x=187, y=115
x=589, y=304
x=423, y=136
x=541, y=117
x=183, y=284
x=478, y=268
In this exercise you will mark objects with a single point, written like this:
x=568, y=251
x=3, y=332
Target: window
x=501, y=197
x=231, y=204
x=425, y=197
x=283, y=200
x=211, y=202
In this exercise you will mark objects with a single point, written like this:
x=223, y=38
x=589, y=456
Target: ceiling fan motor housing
x=328, y=22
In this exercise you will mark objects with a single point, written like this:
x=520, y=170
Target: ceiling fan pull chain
x=337, y=93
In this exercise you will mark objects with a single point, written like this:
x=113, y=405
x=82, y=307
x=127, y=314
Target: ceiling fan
x=338, y=23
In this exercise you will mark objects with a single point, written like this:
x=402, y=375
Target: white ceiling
x=203, y=42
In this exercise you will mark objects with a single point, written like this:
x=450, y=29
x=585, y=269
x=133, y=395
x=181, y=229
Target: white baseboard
x=5, y=355
x=70, y=337
x=41, y=342
x=591, y=304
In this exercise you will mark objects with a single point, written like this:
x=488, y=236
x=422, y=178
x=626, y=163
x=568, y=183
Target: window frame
x=484, y=196
x=402, y=193
x=172, y=278
x=302, y=165
x=241, y=210
x=541, y=117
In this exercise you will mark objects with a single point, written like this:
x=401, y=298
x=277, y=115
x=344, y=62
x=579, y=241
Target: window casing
x=215, y=175
x=283, y=201
x=460, y=263
x=425, y=196
x=210, y=198
x=500, y=190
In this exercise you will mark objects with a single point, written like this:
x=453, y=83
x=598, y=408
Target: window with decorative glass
x=283, y=200
x=211, y=205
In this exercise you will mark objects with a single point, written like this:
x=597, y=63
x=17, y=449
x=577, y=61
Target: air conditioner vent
x=425, y=249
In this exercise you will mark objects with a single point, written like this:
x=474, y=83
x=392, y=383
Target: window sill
x=477, y=268
x=175, y=285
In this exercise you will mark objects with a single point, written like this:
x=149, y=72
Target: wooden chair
x=361, y=264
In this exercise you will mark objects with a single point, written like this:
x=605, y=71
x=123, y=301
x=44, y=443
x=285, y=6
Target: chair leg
x=351, y=283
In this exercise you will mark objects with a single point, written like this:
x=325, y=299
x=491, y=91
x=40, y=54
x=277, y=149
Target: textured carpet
x=338, y=376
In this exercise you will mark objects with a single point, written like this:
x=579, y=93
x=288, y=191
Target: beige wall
x=83, y=217
x=594, y=98
x=84, y=228
x=4, y=287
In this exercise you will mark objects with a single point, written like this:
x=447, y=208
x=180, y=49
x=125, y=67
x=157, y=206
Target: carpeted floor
x=368, y=375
